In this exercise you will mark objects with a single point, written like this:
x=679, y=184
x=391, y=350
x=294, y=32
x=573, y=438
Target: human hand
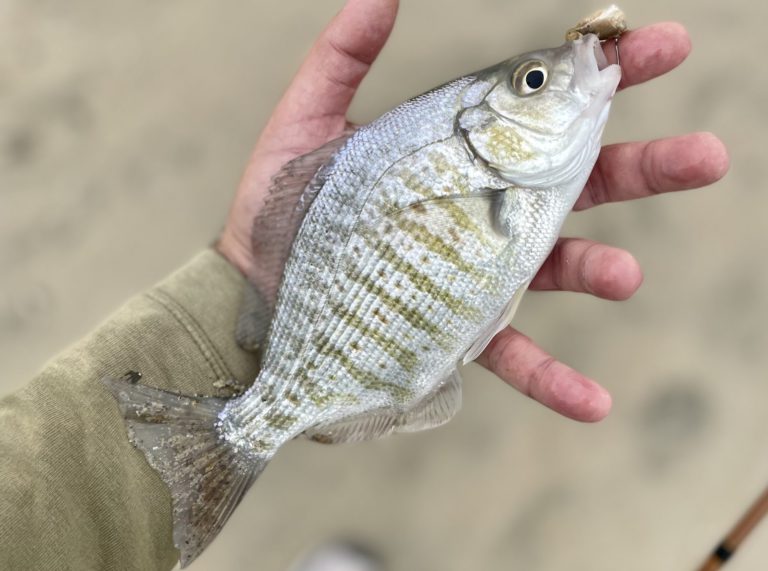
x=313, y=111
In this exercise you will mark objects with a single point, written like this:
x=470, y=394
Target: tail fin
x=206, y=476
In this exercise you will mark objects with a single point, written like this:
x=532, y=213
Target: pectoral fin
x=504, y=319
x=293, y=190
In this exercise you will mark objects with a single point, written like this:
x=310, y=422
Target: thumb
x=338, y=61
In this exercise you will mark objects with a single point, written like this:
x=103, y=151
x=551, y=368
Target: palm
x=313, y=111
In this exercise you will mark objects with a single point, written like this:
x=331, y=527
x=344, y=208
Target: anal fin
x=436, y=409
x=432, y=411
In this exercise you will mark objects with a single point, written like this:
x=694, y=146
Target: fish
x=400, y=249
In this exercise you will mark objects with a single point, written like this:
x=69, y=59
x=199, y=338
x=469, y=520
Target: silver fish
x=407, y=246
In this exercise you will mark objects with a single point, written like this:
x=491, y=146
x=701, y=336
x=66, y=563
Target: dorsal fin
x=293, y=190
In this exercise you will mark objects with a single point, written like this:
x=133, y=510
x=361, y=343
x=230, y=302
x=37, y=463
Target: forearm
x=73, y=491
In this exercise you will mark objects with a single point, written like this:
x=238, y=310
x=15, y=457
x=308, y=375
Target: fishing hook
x=615, y=46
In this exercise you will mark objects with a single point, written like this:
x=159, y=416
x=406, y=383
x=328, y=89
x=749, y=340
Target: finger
x=649, y=51
x=584, y=266
x=634, y=170
x=521, y=363
x=337, y=63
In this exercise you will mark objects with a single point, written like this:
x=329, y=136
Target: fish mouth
x=593, y=73
x=600, y=59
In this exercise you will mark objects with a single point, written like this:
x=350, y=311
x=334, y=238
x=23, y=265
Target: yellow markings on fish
x=406, y=358
x=435, y=244
x=317, y=395
x=307, y=384
x=412, y=316
x=444, y=167
x=423, y=282
x=256, y=444
x=260, y=445
x=504, y=145
x=280, y=421
x=364, y=378
x=463, y=221
x=293, y=397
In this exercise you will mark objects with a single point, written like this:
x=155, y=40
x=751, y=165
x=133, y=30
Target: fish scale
x=413, y=240
x=357, y=167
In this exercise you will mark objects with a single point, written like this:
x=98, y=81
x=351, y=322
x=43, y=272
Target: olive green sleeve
x=74, y=494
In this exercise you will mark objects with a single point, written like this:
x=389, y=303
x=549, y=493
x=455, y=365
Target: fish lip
x=600, y=59
x=594, y=73
x=590, y=49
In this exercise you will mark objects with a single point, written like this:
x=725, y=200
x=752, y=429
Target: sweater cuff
x=205, y=297
x=69, y=474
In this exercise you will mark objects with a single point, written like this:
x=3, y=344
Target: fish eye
x=530, y=77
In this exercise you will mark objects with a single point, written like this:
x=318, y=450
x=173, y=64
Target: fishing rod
x=731, y=542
